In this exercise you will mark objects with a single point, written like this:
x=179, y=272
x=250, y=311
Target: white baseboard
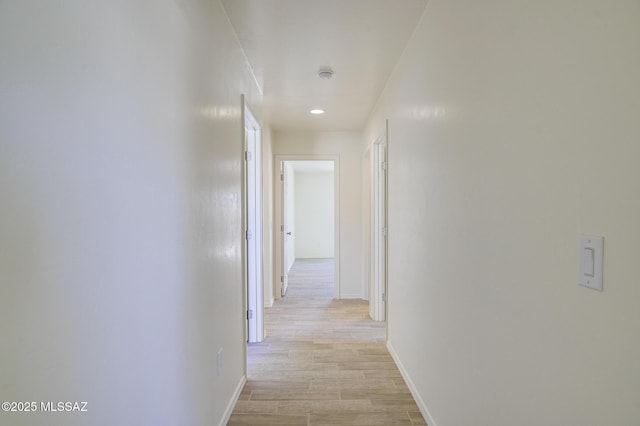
x=421, y=405
x=232, y=402
x=269, y=303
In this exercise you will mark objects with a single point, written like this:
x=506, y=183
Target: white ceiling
x=288, y=41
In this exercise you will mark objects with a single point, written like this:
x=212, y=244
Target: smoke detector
x=325, y=73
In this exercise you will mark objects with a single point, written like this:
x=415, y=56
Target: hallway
x=511, y=132
x=323, y=362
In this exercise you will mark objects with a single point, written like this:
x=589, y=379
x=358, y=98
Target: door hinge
x=384, y=231
x=281, y=278
x=250, y=314
x=281, y=176
x=282, y=228
x=384, y=296
x=248, y=235
x=248, y=155
x=383, y=165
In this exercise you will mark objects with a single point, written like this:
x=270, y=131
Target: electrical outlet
x=219, y=363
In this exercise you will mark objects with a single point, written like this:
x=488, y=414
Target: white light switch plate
x=590, y=254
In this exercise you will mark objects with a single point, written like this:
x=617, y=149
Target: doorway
x=307, y=214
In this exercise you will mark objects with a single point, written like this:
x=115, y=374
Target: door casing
x=378, y=294
x=252, y=221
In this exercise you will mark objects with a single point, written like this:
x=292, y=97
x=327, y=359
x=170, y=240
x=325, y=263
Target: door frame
x=366, y=221
x=279, y=211
x=252, y=225
x=379, y=227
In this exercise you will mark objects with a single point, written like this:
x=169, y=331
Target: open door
x=286, y=225
x=378, y=292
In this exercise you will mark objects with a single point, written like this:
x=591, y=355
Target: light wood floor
x=324, y=362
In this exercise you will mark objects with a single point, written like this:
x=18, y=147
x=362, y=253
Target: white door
x=366, y=223
x=287, y=225
x=378, y=293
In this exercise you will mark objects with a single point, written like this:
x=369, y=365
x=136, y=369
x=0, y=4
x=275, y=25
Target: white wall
x=346, y=145
x=513, y=129
x=120, y=214
x=314, y=214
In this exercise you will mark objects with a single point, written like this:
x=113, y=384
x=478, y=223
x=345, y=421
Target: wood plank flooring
x=324, y=362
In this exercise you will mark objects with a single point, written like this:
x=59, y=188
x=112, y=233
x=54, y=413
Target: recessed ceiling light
x=317, y=111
